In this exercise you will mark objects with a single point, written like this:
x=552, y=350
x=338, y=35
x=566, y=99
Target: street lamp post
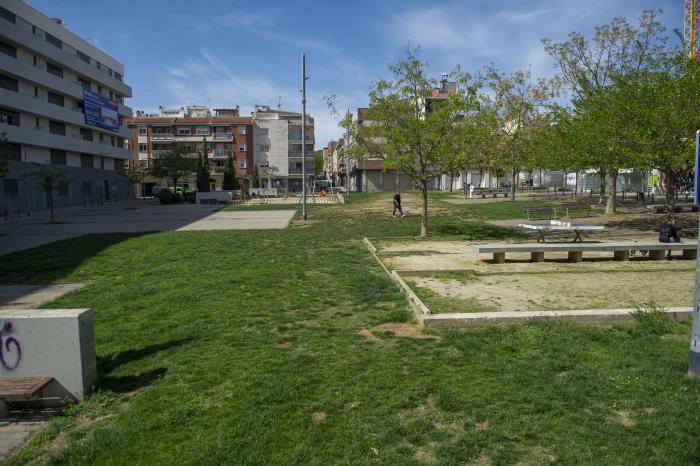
x=694, y=365
x=303, y=133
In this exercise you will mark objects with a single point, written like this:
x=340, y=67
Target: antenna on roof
x=279, y=102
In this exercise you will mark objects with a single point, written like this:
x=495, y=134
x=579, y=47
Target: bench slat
x=566, y=247
x=22, y=388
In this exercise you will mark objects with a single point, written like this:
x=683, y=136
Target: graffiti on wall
x=10, y=350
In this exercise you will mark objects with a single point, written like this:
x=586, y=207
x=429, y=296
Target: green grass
x=219, y=347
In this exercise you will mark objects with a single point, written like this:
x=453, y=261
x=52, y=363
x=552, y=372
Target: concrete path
x=19, y=427
x=17, y=233
x=32, y=296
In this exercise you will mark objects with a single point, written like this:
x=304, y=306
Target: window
x=142, y=130
x=99, y=90
x=99, y=65
x=102, y=163
x=86, y=161
x=83, y=57
x=58, y=157
x=143, y=163
x=10, y=187
x=102, y=137
x=118, y=165
x=242, y=147
x=56, y=127
x=55, y=41
x=111, y=95
x=8, y=49
x=86, y=134
x=87, y=188
x=143, y=148
x=8, y=15
x=54, y=70
x=15, y=152
x=184, y=131
x=203, y=131
x=8, y=117
x=120, y=142
x=109, y=70
x=111, y=140
x=84, y=83
x=242, y=164
x=264, y=147
x=56, y=99
x=241, y=129
x=8, y=83
x=117, y=76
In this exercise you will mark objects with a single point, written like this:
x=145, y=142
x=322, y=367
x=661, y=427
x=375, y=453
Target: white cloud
x=237, y=19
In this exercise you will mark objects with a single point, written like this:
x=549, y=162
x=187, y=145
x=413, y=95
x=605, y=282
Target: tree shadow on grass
x=53, y=261
x=127, y=383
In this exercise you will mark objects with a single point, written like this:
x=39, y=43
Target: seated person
x=668, y=234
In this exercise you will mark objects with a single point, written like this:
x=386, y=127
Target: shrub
x=652, y=318
x=169, y=197
x=190, y=197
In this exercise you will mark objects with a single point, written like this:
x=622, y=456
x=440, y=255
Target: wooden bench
x=483, y=192
x=537, y=209
x=621, y=250
x=567, y=209
x=20, y=389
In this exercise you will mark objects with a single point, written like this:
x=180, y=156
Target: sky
x=228, y=53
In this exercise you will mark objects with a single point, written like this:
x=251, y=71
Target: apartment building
x=61, y=106
x=224, y=133
x=278, y=144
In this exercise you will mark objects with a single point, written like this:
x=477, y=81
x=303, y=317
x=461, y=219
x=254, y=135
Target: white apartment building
x=61, y=104
x=277, y=143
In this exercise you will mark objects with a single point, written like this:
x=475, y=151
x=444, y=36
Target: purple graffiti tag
x=5, y=347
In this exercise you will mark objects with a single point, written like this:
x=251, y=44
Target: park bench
x=493, y=192
x=577, y=210
x=620, y=249
x=20, y=389
x=548, y=211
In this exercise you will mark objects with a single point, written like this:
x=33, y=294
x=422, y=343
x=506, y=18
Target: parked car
x=156, y=191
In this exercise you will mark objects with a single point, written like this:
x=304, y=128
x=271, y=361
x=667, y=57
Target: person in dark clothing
x=668, y=234
x=397, y=205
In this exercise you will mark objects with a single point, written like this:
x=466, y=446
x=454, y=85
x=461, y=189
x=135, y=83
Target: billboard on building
x=100, y=111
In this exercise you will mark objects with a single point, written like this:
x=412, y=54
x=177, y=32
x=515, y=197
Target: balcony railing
x=222, y=136
x=161, y=136
x=220, y=153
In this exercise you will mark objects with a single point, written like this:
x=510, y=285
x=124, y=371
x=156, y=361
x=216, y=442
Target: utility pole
x=347, y=161
x=303, y=134
x=694, y=366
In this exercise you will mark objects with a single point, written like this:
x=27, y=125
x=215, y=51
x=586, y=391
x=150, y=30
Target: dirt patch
x=561, y=291
x=284, y=345
x=623, y=417
x=58, y=443
x=482, y=460
x=398, y=330
x=481, y=426
x=318, y=416
x=563, y=374
x=650, y=410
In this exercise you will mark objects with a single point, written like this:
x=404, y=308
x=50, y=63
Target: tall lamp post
x=347, y=162
x=303, y=134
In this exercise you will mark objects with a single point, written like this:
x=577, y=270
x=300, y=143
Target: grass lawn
x=242, y=347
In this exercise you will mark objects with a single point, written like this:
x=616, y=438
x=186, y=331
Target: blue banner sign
x=100, y=111
x=697, y=168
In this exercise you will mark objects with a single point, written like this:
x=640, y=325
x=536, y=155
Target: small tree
x=48, y=180
x=4, y=154
x=229, y=181
x=203, y=168
x=256, y=178
x=174, y=165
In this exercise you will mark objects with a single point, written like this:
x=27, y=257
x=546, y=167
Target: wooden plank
x=22, y=388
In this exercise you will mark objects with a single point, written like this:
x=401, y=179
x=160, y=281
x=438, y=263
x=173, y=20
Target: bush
x=168, y=197
x=190, y=197
x=652, y=318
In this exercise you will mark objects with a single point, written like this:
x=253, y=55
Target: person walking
x=397, y=205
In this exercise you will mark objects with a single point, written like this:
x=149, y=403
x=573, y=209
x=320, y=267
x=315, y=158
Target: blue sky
x=228, y=53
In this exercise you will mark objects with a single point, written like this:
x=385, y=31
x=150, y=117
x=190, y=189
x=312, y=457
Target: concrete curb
x=587, y=316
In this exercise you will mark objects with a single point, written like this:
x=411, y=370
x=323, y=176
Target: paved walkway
x=17, y=233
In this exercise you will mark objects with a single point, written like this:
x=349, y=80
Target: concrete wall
x=58, y=343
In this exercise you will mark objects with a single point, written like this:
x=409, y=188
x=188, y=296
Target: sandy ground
x=565, y=291
x=556, y=284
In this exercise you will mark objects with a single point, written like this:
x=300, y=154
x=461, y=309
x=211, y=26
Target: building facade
x=278, y=144
x=193, y=127
x=61, y=107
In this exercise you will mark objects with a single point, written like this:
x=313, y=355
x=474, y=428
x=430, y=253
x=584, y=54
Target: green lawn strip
x=439, y=304
x=242, y=347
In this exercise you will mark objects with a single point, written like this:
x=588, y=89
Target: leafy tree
x=133, y=174
x=229, y=181
x=174, y=165
x=318, y=162
x=256, y=178
x=400, y=130
x=48, y=180
x=518, y=105
x=588, y=65
x=203, y=168
x=269, y=172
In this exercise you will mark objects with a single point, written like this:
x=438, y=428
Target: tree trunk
x=513, y=180
x=49, y=202
x=424, y=214
x=611, y=206
x=601, y=188
x=464, y=184
x=452, y=181
x=670, y=192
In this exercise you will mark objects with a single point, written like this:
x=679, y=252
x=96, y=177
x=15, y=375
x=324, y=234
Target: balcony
x=223, y=136
x=220, y=154
x=162, y=136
